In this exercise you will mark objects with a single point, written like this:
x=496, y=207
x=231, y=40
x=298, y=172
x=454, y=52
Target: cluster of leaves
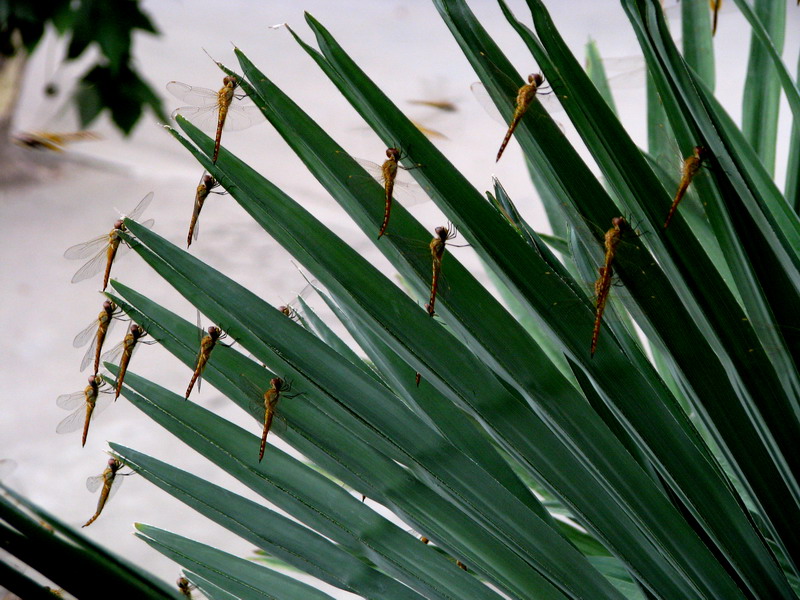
x=113, y=83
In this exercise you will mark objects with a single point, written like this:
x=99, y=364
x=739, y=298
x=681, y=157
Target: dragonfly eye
x=230, y=80
x=536, y=79
x=112, y=462
x=276, y=382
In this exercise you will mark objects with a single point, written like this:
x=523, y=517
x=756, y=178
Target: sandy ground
x=401, y=44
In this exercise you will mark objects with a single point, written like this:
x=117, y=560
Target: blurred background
x=60, y=198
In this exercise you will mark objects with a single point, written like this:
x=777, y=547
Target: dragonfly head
x=119, y=224
x=95, y=380
x=619, y=222
x=108, y=306
x=442, y=233
x=536, y=79
x=276, y=383
x=113, y=463
x=214, y=331
x=230, y=81
x=700, y=152
x=393, y=153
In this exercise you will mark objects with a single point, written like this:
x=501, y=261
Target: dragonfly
x=104, y=249
x=602, y=286
x=207, y=344
x=185, y=587
x=96, y=331
x=265, y=404
x=289, y=309
x=49, y=140
x=525, y=96
x=437, y=247
x=85, y=404
x=206, y=186
x=110, y=480
x=389, y=175
x=212, y=110
x=690, y=168
x=124, y=351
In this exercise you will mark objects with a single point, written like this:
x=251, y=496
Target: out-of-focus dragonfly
x=395, y=181
x=110, y=480
x=602, y=287
x=85, y=404
x=50, y=140
x=96, y=331
x=206, y=186
x=124, y=351
x=207, y=344
x=104, y=249
x=212, y=110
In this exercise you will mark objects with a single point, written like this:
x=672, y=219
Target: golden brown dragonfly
x=525, y=96
x=110, y=480
x=602, y=286
x=207, y=344
x=691, y=166
x=105, y=248
x=85, y=404
x=185, y=587
x=390, y=174
x=123, y=352
x=212, y=110
x=437, y=246
x=264, y=405
x=49, y=140
x=206, y=186
x=96, y=332
x=290, y=309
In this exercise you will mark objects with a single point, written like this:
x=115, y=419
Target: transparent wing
x=196, y=96
x=85, y=335
x=114, y=354
x=93, y=267
x=115, y=485
x=94, y=483
x=241, y=116
x=70, y=401
x=73, y=422
x=203, y=117
x=103, y=402
x=141, y=207
x=86, y=249
x=406, y=189
x=88, y=356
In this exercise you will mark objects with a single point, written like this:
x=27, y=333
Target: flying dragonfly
x=212, y=110
x=124, y=351
x=110, y=480
x=85, y=404
x=389, y=175
x=52, y=141
x=691, y=166
x=97, y=331
x=207, y=344
x=104, y=249
x=206, y=186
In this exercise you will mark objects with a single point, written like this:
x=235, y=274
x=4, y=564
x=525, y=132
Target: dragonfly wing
x=73, y=422
x=241, y=117
x=91, y=268
x=114, y=354
x=85, y=335
x=373, y=168
x=115, y=485
x=141, y=207
x=94, y=483
x=407, y=190
x=485, y=100
x=86, y=249
x=203, y=117
x=102, y=403
x=197, y=96
x=88, y=356
x=71, y=401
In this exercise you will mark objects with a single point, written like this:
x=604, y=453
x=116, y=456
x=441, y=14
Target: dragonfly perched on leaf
x=444, y=235
x=207, y=185
x=185, y=587
x=290, y=309
x=85, y=404
x=396, y=183
x=689, y=169
x=110, y=480
x=105, y=248
x=208, y=342
x=526, y=95
x=123, y=352
x=213, y=111
x=264, y=404
x=97, y=331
